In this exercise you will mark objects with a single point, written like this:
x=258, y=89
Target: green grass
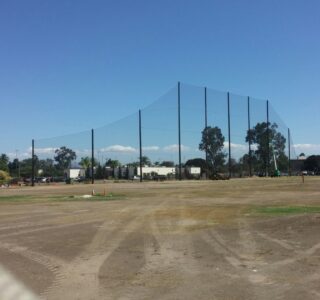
x=286, y=210
x=54, y=198
x=16, y=198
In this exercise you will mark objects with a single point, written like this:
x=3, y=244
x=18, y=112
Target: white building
x=73, y=173
x=161, y=171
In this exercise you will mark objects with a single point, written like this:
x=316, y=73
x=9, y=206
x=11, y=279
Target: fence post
x=179, y=132
x=206, y=122
x=249, y=139
x=140, y=145
x=289, y=153
x=229, y=135
x=268, y=142
x=92, y=156
x=33, y=164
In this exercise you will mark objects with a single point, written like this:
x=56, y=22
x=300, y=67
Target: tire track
x=52, y=264
x=79, y=279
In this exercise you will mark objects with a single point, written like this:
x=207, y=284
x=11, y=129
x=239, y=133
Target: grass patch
x=56, y=198
x=286, y=210
x=16, y=198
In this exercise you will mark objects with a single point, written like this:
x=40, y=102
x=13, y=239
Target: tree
x=26, y=166
x=145, y=160
x=48, y=168
x=113, y=163
x=4, y=160
x=85, y=163
x=312, y=163
x=270, y=145
x=197, y=162
x=212, y=142
x=4, y=177
x=64, y=156
x=100, y=172
x=169, y=164
x=14, y=167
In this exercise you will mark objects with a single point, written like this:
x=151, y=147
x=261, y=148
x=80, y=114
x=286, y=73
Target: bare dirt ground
x=164, y=240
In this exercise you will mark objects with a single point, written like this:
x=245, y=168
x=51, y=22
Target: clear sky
x=68, y=66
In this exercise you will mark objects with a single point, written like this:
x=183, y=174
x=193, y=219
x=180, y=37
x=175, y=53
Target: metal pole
x=179, y=132
x=92, y=156
x=229, y=135
x=249, y=139
x=33, y=163
x=268, y=141
x=140, y=145
x=289, y=153
x=206, y=120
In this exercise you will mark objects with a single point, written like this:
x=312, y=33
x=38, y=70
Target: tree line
x=267, y=153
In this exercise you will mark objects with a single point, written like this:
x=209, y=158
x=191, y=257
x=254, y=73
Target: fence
x=169, y=131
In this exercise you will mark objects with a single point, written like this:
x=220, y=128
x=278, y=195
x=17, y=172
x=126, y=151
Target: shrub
x=4, y=177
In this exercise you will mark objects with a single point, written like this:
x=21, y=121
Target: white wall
x=74, y=173
x=158, y=170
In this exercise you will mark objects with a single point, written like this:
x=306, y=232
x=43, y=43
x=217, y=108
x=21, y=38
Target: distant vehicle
x=80, y=179
x=42, y=180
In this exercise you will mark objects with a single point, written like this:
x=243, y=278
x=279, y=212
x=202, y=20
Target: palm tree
x=85, y=163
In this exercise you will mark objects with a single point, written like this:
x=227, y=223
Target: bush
x=4, y=177
x=69, y=181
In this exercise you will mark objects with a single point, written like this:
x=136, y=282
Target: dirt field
x=238, y=239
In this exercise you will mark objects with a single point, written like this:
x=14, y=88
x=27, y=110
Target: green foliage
x=48, y=167
x=4, y=160
x=284, y=210
x=100, y=172
x=26, y=166
x=4, y=177
x=312, y=163
x=270, y=143
x=85, y=163
x=213, y=142
x=197, y=162
x=169, y=164
x=113, y=163
x=145, y=160
x=64, y=156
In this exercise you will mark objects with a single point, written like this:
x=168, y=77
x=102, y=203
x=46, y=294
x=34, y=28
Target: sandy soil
x=164, y=240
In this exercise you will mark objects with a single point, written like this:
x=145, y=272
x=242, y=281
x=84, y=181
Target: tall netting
x=192, y=121
x=190, y=130
x=54, y=156
x=118, y=141
x=159, y=130
x=217, y=117
x=238, y=132
x=257, y=110
x=281, y=144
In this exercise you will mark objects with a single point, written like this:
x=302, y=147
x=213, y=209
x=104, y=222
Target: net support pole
x=33, y=164
x=140, y=146
x=179, y=133
x=206, y=122
x=229, y=135
x=268, y=141
x=249, y=139
x=92, y=156
x=289, y=153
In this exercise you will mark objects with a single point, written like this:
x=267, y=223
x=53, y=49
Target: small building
x=73, y=173
x=192, y=172
x=151, y=172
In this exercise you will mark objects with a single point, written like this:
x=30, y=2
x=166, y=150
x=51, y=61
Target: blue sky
x=69, y=66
